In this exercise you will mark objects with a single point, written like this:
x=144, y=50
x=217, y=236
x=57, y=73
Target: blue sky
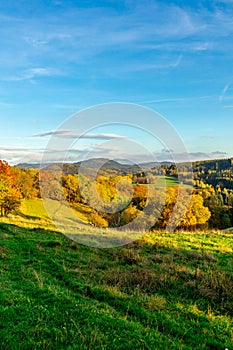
x=58, y=57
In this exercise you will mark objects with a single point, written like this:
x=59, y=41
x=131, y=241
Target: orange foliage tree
x=9, y=193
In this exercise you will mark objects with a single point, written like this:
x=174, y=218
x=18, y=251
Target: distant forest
x=211, y=205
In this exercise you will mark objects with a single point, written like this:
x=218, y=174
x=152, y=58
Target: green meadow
x=167, y=181
x=163, y=291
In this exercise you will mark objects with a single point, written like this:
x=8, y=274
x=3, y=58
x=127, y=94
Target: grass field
x=168, y=181
x=32, y=214
x=165, y=291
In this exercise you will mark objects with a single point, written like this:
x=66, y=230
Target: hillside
x=217, y=172
x=95, y=163
x=106, y=165
x=166, y=291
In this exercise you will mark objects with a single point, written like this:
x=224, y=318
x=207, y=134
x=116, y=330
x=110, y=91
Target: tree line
x=209, y=207
x=16, y=184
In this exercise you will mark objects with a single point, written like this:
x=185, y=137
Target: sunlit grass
x=162, y=291
x=57, y=294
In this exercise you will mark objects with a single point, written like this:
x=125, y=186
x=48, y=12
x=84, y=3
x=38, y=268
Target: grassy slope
x=56, y=294
x=32, y=214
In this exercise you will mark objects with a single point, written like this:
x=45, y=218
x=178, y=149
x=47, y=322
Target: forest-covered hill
x=218, y=172
x=211, y=205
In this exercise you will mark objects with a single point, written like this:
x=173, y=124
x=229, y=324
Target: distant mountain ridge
x=94, y=163
x=116, y=166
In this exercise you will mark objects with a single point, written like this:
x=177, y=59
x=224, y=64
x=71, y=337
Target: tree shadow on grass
x=28, y=217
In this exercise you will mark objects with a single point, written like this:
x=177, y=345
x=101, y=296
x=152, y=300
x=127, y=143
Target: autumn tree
x=51, y=185
x=25, y=181
x=184, y=216
x=9, y=193
x=71, y=187
x=197, y=214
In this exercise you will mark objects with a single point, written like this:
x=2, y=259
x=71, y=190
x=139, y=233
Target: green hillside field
x=164, y=291
x=32, y=214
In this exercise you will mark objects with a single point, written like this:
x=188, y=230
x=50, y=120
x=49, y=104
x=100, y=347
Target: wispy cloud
x=192, y=156
x=164, y=150
x=18, y=148
x=20, y=153
x=179, y=46
x=208, y=137
x=178, y=99
x=71, y=135
x=80, y=42
x=219, y=153
x=166, y=64
x=32, y=73
x=23, y=154
x=157, y=51
x=3, y=104
x=142, y=25
x=224, y=91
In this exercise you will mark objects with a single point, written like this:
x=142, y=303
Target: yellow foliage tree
x=197, y=213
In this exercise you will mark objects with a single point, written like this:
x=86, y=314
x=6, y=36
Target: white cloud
x=177, y=99
x=24, y=154
x=166, y=64
x=192, y=156
x=70, y=134
x=32, y=73
x=224, y=91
